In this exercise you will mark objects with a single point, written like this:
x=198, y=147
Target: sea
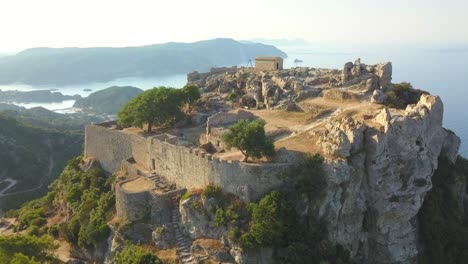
x=438, y=70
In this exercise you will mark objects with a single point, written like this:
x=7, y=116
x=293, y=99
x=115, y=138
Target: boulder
x=163, y=238
x=384, y=72
x=248, y=101
x=378, y=97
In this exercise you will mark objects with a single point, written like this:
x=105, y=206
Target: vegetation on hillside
x=32, y=156
x=158, y=106
x=49, y=120
x=250, y=138
x=135, y=255
x=35, y=96
x=402, y=95
x=23, y=249
x=85, y=196
x=274, y=222
x=84, y=65
x=109, y=100
x=442, y=220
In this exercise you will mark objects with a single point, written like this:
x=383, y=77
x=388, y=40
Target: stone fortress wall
x=186, y=167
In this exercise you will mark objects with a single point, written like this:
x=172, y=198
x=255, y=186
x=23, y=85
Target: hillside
x=35, y=96
x=30, y=158
x=44, y=118
x=109, y=100
x=81, y=65
x=361, y=170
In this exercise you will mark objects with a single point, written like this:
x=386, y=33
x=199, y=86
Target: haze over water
x=441, y=72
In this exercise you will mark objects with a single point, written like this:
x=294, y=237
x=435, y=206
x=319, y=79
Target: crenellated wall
x=187, y=167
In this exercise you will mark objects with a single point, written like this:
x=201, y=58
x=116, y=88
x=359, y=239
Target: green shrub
x=213, y=191
x=186, y=195
x=161, y=230
x=402, y=95
x=311, y=177
x=249, y=137
x=87, y=194
x=220, y=217
x=443, y=223
x=27, y=249
x=232, y=97
x=135, y=255
x=273, y=222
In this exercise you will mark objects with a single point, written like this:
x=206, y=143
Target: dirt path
x=42, y=180
x=12, y=183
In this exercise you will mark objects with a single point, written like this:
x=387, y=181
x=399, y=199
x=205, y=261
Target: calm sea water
x=441, y=72
x=142, y=83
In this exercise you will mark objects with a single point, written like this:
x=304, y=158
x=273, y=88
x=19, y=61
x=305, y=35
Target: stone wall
x=193, y=168
x=188, y=168
x=111, y=147
x=268, y=63
x=131, y=206
x=225, y=118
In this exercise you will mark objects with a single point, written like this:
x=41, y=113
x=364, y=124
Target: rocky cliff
x=380, y=142
x=380, y=160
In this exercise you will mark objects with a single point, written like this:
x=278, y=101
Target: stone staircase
x=161, y=183
x=183, y=242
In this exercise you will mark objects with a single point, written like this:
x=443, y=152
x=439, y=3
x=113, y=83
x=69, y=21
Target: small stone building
x=269, y=63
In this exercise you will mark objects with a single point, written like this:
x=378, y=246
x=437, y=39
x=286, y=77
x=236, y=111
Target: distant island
x=107, y=101
x=61, y=66
x=39, y=96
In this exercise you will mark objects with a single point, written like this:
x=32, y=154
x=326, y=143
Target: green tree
x=274, y=223
x=27, y=249
x=158, y=106
x=135, y=255
x=250, y=138
x=190, y=93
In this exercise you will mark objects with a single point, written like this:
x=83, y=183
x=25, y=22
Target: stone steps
x=183, y=242
x=160, y=183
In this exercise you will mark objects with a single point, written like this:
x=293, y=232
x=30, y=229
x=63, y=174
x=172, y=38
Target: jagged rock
x=347, y=71
x=339, y=95
x=378, y=97
x=248, y=101
x=383, y=118
x=137, y=232
x=396, y=165
x=287, y=105
x=342, y=137
x=384, y=72
x=162, y=237
x=451, y=145
x=271, y=88
x=197, y=220
x=260, y=255
x=372, y=83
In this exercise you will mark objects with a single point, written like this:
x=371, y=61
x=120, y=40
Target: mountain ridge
x=80, y=65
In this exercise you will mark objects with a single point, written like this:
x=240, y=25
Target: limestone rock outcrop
x=378, y=175
x=280, y=89
x=197, y=220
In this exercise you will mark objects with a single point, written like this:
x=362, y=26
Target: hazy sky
x=84, y=23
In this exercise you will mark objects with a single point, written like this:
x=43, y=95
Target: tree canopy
x=250, y=138
x=158, y=106
x=135, y=255
x=27, y=249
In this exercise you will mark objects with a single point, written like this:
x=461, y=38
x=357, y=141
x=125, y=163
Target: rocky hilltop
x=379, y=159
x=364, y=172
